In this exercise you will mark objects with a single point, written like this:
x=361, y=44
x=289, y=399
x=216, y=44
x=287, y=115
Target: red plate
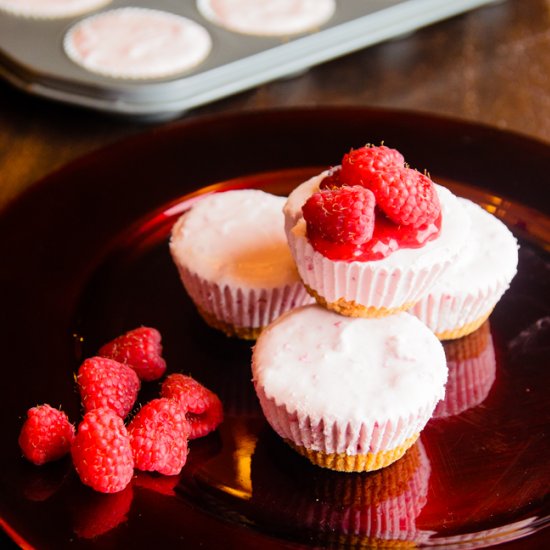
x=85, y=258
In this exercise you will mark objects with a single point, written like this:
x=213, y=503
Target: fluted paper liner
x=362, y=289
x=346, y=446
x=452, y=316
x=237, y=311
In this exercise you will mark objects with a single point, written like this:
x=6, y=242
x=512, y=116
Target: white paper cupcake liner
x=351, y=438
x=363, y=284
x=250, y=308
x=459, y=313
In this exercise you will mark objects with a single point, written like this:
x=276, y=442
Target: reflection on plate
x=472, y=368
x=476, y=478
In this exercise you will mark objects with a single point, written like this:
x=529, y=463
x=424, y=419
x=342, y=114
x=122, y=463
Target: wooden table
x=491, y=65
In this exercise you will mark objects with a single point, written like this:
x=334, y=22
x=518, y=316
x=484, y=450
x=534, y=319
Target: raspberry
x=406, y=196
x=159, y=434
x=342, y=215
x=140, y=349
x=107, y=383
x=102, y=453
x=203, y=408
x=46, y=434
x=359, y=165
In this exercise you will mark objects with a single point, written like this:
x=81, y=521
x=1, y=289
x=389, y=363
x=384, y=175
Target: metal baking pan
x=32, y=56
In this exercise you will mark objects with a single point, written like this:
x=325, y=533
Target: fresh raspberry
x=203, y=407
x=159, y=434
x=342, y=215
x=107, y=383
x=406, y=196
x=360, y=165
x=46, y=434
x=102, y=453
x=140, y=349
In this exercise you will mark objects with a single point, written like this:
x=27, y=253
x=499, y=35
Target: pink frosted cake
x=233, y=259
x=50, y=9
x=350, y=394
x=137, y=43
x=371, y=237
x=465, y=295
x=268, y=17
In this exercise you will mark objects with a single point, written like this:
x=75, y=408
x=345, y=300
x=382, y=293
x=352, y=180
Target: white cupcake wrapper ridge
x=240, y=307
x=363, y=283
x=351, y=438
x=443, y=312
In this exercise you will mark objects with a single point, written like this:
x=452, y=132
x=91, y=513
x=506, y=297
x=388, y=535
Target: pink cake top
x=268, y=17
x=343, y=368
x=137, y=43
x=50, y=9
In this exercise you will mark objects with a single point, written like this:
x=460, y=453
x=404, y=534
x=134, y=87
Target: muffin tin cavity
x=47, y=47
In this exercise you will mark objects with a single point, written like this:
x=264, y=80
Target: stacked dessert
x=351, y=382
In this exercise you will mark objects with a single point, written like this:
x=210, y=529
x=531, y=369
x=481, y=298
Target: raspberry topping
x=140, y=349
x=341, y=215
x=102, y=453
x=46, y=434
x=203, y=408
x=402, y=212
x=159, y=433
x=406, y=196
x=107, y=383
x=360, y=165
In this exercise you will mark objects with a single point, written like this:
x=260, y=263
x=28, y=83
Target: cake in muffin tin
x=50, y=9
x=268, y=17
x=137, y=43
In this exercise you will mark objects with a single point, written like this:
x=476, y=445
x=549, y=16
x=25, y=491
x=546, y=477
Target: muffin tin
x=32, y=56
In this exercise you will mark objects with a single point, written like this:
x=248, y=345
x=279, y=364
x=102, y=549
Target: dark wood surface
x=490, y=65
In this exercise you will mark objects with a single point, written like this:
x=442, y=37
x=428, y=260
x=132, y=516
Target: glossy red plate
x=84, y=258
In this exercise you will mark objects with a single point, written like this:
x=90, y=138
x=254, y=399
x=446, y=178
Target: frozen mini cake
x=372, y=236
x=50, y=9
x=350, y=394
x=463, y=298
x=234, y=261
x=268, y=17
x=137, y=43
